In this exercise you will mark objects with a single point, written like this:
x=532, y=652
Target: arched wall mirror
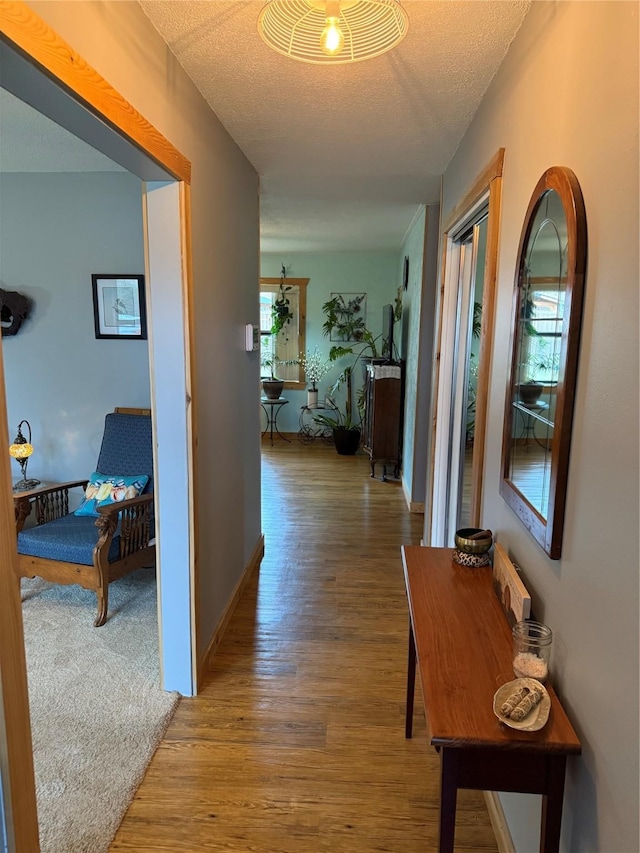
x=544, y=357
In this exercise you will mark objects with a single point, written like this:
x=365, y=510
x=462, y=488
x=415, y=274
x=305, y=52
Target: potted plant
x=535, y=363
x=281, y=314
x=271, y=385
x=366, y=347
x=315, y=368
x=345, y=430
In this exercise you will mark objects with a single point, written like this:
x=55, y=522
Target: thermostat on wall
x=252, y=338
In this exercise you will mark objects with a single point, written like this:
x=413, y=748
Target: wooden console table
x=462, y=641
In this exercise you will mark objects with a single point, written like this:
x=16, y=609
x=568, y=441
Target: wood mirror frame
x=547, y=311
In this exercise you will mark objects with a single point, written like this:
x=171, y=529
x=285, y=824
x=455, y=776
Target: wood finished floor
x=296, y=744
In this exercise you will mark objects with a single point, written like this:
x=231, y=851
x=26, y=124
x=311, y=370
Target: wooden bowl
x=472, y=546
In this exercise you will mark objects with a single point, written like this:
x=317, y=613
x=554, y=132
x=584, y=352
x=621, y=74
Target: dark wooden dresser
x=383, y=398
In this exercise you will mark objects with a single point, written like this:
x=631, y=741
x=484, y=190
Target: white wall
x=374, y=273
x=121, y=44
x=57, y=229
x=567, y=94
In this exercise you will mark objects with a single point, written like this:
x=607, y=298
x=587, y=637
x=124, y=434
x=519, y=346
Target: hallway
x=296, y=744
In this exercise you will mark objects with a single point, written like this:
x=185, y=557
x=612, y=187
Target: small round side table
x=271, y=409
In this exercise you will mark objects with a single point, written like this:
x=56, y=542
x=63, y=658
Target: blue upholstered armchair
x=93, y=550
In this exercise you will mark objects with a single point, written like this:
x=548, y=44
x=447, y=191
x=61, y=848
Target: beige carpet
x=97, y=711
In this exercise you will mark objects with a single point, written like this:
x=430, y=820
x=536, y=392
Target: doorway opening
x=463, y=359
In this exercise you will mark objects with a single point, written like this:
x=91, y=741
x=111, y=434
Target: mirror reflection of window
x=539, y=405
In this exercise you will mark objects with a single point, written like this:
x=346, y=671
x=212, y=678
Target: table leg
x=411, y=683
x=552, y=805
x=266, y=414
x=274, y=423
x=448, y=799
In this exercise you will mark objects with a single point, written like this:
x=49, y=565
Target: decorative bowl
x=473, y=546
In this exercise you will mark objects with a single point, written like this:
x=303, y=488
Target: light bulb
x=332, y=38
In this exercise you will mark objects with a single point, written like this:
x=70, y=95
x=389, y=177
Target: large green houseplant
x=344, y=427
x=364, y=346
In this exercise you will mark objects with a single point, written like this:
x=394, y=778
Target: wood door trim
x=489, y=180
x=33, y=37
x=492, y=170
x=486, y=347
x=19, y=788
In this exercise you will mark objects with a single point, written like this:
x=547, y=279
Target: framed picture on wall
x=118, y=306
x=349, y=312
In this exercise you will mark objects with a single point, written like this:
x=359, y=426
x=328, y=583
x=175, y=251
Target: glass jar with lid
x=531, y=650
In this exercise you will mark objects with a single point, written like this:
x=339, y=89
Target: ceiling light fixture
x=332, y=32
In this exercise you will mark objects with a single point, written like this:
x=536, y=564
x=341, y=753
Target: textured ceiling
x=347, y=153
x=33, y=143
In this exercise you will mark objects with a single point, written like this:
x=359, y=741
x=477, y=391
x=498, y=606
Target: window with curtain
x=290, y=341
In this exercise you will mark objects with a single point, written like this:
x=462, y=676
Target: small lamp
x=21, y=449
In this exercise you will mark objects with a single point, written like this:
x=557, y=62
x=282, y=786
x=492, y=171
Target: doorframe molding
x=487, y=186
x=32, y=38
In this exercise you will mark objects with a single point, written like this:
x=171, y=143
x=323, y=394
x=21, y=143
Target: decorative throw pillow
x=103, y=489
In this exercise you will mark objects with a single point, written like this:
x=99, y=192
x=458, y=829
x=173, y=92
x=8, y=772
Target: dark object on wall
x=14, y=308
x=405, y=275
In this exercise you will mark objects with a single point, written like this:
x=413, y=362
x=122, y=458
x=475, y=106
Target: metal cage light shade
x=367, y=28
x=21, y=450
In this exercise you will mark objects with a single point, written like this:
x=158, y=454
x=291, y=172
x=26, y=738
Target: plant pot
x=312, y=398
x=272, y=388
x=347, y=441
x=530, y=392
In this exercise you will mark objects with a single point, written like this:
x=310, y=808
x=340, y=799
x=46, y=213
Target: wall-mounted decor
x=349, y=311
x=14, y=308
x=544, y=357
x=119, y=306
x=512, y=593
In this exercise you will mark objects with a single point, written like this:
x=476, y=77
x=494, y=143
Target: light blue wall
x=57, y=229
x=376, y=274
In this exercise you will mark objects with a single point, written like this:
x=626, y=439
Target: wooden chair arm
x=134, y=516
x=113, y=509
x=51, y=502
x=45, y=490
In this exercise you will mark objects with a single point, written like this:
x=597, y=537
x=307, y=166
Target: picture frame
x=511, y=592
x=119, y=308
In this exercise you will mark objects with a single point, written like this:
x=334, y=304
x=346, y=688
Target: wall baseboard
x=254, y=562
x=413, y=506
x=499, y=822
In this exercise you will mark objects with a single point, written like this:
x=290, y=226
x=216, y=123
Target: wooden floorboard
x=296, y=743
